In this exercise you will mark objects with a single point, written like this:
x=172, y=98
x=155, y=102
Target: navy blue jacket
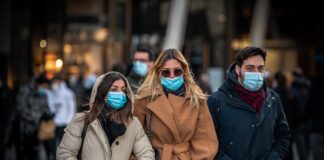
x=243, y=133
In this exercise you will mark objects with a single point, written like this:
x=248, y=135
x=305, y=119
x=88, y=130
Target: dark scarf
x=254, y=99
x=180, y=92
x=112, y=129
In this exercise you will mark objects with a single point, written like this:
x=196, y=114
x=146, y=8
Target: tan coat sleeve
x=71, y=142
x=142, y=146
x=204, y=141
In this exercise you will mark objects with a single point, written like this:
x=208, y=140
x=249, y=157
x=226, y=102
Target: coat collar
x=162, y=106
x=235, y=101
x=163, y=109
x=158, y=92
x=142, y=94
x=97, y=128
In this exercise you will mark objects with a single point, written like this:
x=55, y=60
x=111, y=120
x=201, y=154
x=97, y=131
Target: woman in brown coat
x=112, y=133
x=173, y=111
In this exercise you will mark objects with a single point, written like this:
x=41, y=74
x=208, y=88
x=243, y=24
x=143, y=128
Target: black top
x=112, y=129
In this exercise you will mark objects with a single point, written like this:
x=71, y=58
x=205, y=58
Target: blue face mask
x=172, y=84
x=116, y=100
x=253, y=81
x=140, y=68
x=41, y=91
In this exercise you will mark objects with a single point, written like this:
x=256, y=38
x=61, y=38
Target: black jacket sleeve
x=281, y=136
x=213, y=105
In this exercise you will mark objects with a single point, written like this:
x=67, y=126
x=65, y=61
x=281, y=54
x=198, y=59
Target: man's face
x=252, y=64
x=143, y=57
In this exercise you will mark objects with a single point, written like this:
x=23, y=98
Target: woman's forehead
x=119, y=83
x=172, y=63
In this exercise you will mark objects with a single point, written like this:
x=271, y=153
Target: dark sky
x=299, y=19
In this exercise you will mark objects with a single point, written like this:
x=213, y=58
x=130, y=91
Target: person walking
x=248, y=116
x=142, y=62
x=173, y=110
x=109, y=131
x=32, y=108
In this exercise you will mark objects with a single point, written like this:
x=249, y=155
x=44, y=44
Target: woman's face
x=118, y=86
x=171, y=68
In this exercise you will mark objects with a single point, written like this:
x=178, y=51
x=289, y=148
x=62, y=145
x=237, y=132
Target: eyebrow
x=118, y=86
x=250, y=65
x=172, y=68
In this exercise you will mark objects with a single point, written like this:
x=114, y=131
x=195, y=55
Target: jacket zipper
x=258, y=114
x=110, y=156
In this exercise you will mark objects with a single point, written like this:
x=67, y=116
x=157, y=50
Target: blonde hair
x=149, y=86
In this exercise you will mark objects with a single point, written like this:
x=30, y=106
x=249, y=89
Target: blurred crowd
x=301, y=98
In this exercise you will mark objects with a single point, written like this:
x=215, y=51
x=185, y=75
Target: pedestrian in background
x=142, y=62
x=62, y=103
x=32, y=107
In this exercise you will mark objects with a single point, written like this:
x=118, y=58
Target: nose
x=255, y=70
x=172, y=74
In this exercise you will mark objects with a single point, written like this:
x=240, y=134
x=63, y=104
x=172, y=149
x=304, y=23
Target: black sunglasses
x=176, y=72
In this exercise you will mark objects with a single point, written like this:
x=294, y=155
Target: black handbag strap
x=149, y=125
x=149, y=133
x=83, y=134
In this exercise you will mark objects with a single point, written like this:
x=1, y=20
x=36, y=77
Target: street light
x=101, y=34
x=58, y=65
x=43, y=43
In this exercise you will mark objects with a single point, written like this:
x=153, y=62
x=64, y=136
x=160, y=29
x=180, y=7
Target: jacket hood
x=129, y=92
x=231, y=74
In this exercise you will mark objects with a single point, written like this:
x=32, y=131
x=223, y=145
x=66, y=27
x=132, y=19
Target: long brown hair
x=99, y=105
x=193, y=92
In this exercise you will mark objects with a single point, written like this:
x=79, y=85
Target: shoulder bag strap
x=149, y=125
x=83, y=134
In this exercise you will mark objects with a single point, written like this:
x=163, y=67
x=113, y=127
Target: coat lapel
x=176, y=101
x=234, y=99
x=163, y=110
x=97, y=128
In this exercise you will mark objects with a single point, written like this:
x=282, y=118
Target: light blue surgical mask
x=41, y=91
x=116, y=100
x=140, y=68
x=172, y=84
x=253, y=81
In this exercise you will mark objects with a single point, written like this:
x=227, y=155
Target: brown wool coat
x=179, y=132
